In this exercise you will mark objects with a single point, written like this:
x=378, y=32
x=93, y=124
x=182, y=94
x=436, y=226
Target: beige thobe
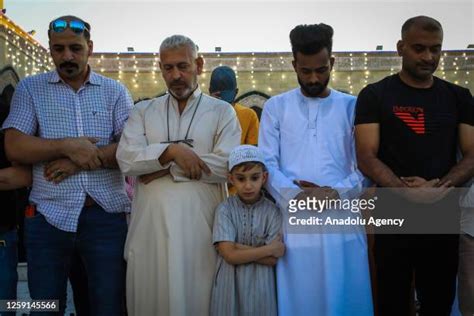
x=169, y=252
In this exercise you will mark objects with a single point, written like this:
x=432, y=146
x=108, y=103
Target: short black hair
x=426, y=23
x=86, y=32
x=311, y=39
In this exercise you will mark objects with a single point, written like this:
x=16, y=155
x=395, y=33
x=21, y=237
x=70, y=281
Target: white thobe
x=169, y=251
x=312, y=139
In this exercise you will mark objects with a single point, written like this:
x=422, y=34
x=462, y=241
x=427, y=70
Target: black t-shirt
x=418, y=127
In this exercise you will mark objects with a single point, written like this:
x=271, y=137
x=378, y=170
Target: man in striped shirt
x=67, y=123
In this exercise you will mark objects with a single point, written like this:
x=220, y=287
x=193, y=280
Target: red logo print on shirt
x=412, y=116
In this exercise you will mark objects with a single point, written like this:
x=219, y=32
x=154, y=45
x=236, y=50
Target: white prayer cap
x=245, y=153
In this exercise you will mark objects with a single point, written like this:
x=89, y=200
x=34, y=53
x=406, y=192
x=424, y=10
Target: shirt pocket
x=100, y=126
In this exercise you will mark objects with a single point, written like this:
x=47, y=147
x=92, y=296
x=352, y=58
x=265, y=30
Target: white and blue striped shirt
x=45, y=106
x=245, y=289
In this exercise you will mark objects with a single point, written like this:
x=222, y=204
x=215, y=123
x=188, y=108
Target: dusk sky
x=244, y=26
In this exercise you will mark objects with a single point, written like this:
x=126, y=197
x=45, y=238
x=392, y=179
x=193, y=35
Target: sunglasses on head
x=76, y=26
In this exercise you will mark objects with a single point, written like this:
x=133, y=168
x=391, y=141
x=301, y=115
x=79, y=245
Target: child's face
x=248, y=183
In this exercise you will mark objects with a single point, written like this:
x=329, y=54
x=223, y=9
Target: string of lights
x=270, y=73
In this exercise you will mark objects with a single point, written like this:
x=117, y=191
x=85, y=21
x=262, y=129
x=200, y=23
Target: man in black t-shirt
x=408, y=129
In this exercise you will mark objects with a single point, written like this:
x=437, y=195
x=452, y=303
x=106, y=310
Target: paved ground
x=23, y=294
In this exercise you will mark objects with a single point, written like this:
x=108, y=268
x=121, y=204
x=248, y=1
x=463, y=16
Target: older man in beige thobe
x=178, y=145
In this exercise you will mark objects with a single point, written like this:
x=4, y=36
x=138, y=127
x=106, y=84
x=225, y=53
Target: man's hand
x=320, y=193
x=277, y=247
x=313, y=190
x=317, y=192
x=83, y=152
x=147, y=178
x=188, y=161
x=305, y=184
x=107, y=156
x=58, y=170
x=416, y=182
x=420, y=190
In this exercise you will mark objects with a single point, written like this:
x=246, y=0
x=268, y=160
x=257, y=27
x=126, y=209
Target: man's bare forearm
x=108, y=157
x=379, y=172
x=15, y=177
x=462, y=172
x=27, y=149
x=367, y=141
x=168, y=155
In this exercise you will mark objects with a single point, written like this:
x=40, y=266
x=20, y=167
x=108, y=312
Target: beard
x=181, y=90
x=420, y=71
x=69, y=69
x=313, y=90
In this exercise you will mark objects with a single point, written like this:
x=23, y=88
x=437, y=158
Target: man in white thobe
x=178, y=145
x=306, y=137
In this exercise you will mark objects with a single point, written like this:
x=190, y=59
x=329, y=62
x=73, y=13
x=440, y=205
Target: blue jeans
x=8, y=263
x=99, y=243
x=78, y=279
